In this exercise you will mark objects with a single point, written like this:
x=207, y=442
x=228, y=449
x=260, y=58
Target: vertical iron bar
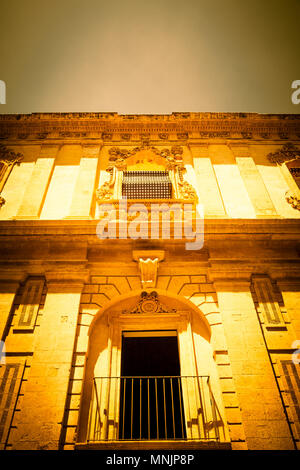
x=157, y=426
x=215, y=418
x=131, y=418
x=140, y=408
x=148, y=408
x=97, y=413
x=90, y=414
x=199, y=405
x=172, y=398
x=123, y=421
x=180, y=403
x=165, y=413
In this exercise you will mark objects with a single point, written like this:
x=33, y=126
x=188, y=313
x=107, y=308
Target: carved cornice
x=287, y=153
x=149, y=303
x=147, y=117
x=8, y=156
x=185, y=126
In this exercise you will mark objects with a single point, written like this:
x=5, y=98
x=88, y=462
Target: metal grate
x=146, y=185
x=152, y=408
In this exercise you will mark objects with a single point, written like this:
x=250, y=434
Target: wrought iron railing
x=152, y=408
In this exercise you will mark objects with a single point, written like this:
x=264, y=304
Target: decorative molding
x=268, y=308
x=112, y=126
x=293, y=200
x=9, y=157
x=106, y=190
x=186, y=190
x=148, y=265
x=148, y=269
x=214, y=135
x=25, y=316
x=10, y=379
x=149, y=303
x=173, y=157
x=159, y=254
x=174, y=163
x=287, y=153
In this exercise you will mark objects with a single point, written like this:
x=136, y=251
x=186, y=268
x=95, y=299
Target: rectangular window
x=146, y=185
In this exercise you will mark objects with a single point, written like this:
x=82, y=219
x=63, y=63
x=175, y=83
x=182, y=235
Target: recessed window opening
x=151, y=402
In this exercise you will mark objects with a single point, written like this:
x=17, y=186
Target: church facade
x=150, y=281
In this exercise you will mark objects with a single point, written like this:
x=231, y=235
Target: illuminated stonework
x=215, y=329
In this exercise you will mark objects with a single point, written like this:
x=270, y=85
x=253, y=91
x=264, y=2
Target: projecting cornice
x=181, y=127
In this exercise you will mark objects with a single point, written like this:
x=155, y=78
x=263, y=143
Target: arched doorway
x=150, y=374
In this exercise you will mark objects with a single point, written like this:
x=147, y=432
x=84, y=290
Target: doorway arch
x=103, y=360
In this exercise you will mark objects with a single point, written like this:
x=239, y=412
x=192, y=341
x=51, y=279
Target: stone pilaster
x=37, y=186
x=253, y=181
x=263, y=417
x=85, y=184
x=40, y=419
x=207, y=186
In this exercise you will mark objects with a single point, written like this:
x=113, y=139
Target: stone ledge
x=154, y=445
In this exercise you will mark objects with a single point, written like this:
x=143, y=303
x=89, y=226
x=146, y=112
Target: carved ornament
x=293, y=200
x=149, y=303
x=287, y=153
x=8, y=156
x=173, y=157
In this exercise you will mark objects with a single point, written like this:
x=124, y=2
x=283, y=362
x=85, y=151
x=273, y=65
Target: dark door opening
x=151, y=403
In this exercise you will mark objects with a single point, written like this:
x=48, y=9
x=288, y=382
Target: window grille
x=146, y=185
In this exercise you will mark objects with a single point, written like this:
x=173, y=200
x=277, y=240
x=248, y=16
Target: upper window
x=146, y=185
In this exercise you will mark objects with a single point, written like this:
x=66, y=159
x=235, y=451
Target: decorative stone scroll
x=8, y=156
x=8, y=159
x=149, y=303
x=293, y=200
x=173, y=157
x=287, y=153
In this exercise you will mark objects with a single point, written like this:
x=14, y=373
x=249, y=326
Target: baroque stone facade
x=69, y=299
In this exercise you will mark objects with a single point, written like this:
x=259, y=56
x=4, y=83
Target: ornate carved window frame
x=8, y=159
x=282, y=157
x=111, y=190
